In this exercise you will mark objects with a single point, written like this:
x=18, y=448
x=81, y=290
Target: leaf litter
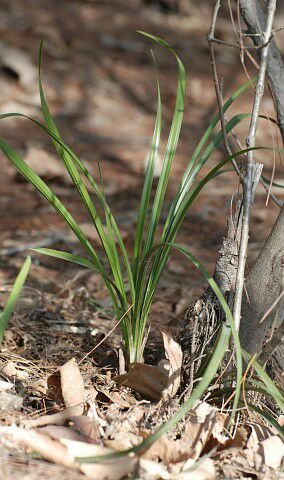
x=112, y=418
x=90, y=415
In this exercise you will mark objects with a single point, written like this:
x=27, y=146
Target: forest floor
x=99, y=79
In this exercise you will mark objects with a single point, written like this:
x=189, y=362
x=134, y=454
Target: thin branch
x=252, y=168
x=277, y=329
x=278, y=202
x=272, y=345
x=218, y=90
x=217, y=83
x=245, y=34
x=255, y=19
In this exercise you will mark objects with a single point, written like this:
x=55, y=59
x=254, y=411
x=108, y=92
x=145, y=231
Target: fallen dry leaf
x=203, y=471
x=165, y=450
x=12, y=370
x=5, y=385
x=72, y=386
x=153, y=470
x=273, y=451
x=49, y=448
x=64, y=451
x=109, y=470
x=173, y=353
x=86, y=426
x=239, y=440
x=57, y=432
x=10, y=401
x=204, y=429
x=147, y=380
x=115, y=470
x=156, y=382
x=119, y=398
x=71, y=389
x=258, y=434
x=188, y=471
x=58, y=418
x=198, y=432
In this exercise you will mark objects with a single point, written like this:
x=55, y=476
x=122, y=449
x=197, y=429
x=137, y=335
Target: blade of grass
x=270, y=385
x=144, y=297
x=189, y=178
x=170, y=148
x=109, y=246
x=47, y=193
x=78, y=260
x=147, y=186
x=204, y=272
x=93, y=184
x=14, y=295
x=274, y=184
x=268, y=418
x=218, y=354
x=84, y=262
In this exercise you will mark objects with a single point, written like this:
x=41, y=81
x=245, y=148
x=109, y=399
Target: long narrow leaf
x=78, y=260
x=214, y=363
x=170, y=148
x=220, y=297
x=169, y=236
x=148, y=181
x=109, y=247
x=213, y=124
x=188, y=179
x=47, y=193
x=92, y=182
x=14, y=295
x=270, y=385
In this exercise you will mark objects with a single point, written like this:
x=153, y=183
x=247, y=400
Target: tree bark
x=255, y=20
x=263, y=287
x=263, y=284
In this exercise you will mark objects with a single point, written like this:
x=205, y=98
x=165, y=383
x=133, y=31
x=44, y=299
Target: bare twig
x=255, y=20
x=278, y=202
x=218, y=90
x=272, y=307
x=217, y=83
x=272, y=344
x=246, y=47
x=253, y=170
x=277, y=329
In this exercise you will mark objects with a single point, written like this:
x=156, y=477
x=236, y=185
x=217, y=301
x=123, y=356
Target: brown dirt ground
x=100, y=82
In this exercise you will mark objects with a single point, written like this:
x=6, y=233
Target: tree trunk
x=263, y=286
x=264, y=281
x=255, y=20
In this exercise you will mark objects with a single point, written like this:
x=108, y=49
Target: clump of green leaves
x=131, y=283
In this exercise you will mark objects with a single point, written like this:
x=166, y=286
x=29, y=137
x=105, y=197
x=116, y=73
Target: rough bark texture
x=263, y=286
x=227, y=263
x=255, y=20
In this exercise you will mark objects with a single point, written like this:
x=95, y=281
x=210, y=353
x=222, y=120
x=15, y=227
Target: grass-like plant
x=13, y=297
x=131, y=283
